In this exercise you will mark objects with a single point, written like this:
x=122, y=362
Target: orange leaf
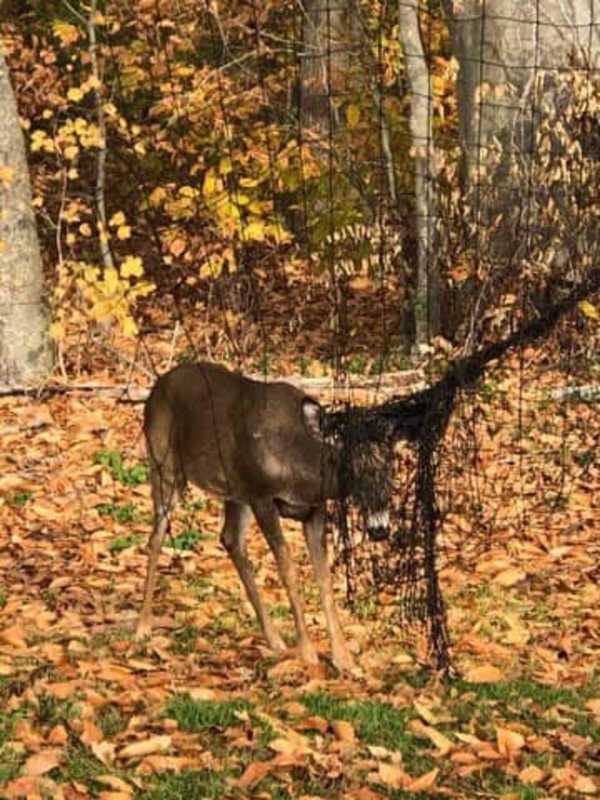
x=253, y=774
x=42, y=762
x=393, y=776
x=484, y=674
x=593, y=705
x=443, y=744
x=424, y=783
x=344, y=731
x=531, y=774
x=91, y=733
x=509, y=742
x=509, y=577
x=14, y=636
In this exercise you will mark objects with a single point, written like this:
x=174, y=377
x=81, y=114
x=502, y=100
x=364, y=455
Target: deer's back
x=233, y=436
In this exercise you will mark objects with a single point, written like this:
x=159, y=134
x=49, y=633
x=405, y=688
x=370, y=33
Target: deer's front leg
x=233, y=539
x=314, y=531
x=268, y=519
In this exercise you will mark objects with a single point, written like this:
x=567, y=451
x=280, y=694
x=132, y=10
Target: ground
x=204, y=710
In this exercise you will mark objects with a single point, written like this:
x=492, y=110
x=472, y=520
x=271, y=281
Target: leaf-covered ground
x=204, y=710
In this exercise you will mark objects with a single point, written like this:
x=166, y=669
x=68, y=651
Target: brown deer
x=261, y=447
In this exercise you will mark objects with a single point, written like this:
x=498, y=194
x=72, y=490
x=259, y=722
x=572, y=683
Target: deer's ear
x=311, y=413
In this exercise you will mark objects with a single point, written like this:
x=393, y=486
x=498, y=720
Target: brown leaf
x=42, y=762
x=484, y=674
x=344, y=731
x=14, y=636
x=58, y=735
x=155, y=744
x=443, y=744
x=531, y=774
x=253, y=774
x=593, y=705
x=91, y=733
x=313, y=724
x=28, y=787
x=509, y=577
x=118, y=784
x=393, y=776
x=509, y=742
x=424, y=783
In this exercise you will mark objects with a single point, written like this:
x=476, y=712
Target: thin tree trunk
x=26, y=354
x=426, y=300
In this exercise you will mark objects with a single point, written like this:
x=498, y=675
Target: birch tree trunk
x=26, y=355
x=426, y=304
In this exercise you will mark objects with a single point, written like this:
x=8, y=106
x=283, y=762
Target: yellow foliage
x=117, y=220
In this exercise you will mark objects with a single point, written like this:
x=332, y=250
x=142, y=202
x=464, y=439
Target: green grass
x=51, y=711
x=112, y=721
x=186, y=785
x=19, y=499
x=187, y=540
x=122, y=514
x=201, y=715
x=132, y=475
x=125, y=542
x=185, y=639
x=375, y=722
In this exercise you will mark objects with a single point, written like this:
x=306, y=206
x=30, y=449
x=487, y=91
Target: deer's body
x=257, y=446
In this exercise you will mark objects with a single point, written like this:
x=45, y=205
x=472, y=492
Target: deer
x=263, y=449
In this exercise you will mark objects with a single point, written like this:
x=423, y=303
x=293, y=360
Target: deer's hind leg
x=166, y=487
x=233, y=538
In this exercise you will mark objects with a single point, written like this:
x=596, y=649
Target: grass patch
x=132, y=475
x=112, y=721
x=186, y=785
x=185, y=639
x=51, y=711
x=375, y=722
x=124, y=543
x=187, y=540
x=122, y=514
x=19, y=499
x=201, y=715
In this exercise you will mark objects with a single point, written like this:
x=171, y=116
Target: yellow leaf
x=210, y=184
x=132, y=265
x=57, y=331
x=117, y=219
x=249, y=183
x=75, y=94
x=71, y=152
x=111, y=279
x=129, y=327
x=140, y=148
x=124, y=232
x=157, y=196
x=64, y=31
x=352, y=115
x=84, y=229
x=6, y=174
x=589, y=310
x=255, y=231
x=225, y=165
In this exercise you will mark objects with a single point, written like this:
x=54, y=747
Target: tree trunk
x=426, y=303
x=506, y=43
x=25, y=352
x=325, y=62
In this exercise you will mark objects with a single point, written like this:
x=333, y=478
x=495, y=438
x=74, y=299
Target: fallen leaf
x=443, y=744
x=531, y=774
x=393, y=776
x=484, y=674
x=91, y=733
x=155, y=744
x=42, y=762
x=425, y=782
x=344, y=731
x=114, y=782
x=509, y=577
x=509, y=742
x=253, y=774
x=14, y=636
x=593, y=705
